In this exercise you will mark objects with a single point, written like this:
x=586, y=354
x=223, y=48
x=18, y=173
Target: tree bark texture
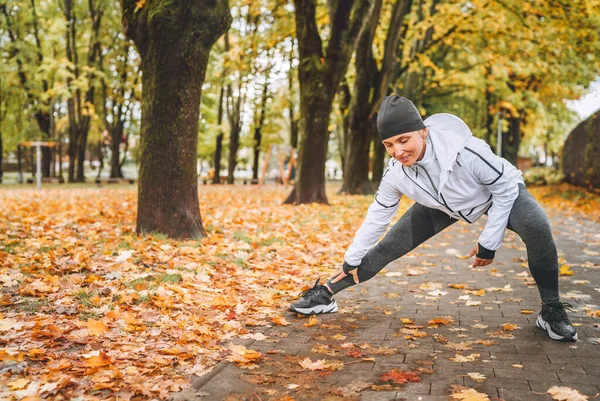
x=174, y=40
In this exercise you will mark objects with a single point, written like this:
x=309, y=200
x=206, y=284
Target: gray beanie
x=397, y=115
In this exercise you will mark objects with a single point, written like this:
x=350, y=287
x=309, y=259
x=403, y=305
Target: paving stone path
x=370, y=338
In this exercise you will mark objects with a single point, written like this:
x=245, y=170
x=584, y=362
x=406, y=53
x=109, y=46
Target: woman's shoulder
x=445, y=120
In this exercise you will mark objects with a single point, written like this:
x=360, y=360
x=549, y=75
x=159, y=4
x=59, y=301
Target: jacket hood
x=450, y=136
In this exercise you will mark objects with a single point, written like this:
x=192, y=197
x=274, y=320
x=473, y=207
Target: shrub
x=543, y=176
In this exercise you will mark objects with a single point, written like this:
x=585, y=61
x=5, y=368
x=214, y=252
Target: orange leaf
x=96, y=327
x=97, y=361
x=280, y=321
x=400, y=377
x=510, y=326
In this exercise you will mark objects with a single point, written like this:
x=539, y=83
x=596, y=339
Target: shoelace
x=558, y=312
x=310, y=292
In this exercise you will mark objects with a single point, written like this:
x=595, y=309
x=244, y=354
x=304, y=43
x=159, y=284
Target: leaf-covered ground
x=88, y=307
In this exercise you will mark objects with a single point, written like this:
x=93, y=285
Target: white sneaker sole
x=542, y=324
x=315, y=310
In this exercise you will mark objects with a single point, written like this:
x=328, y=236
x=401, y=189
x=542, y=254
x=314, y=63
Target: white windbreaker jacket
x=473, y=181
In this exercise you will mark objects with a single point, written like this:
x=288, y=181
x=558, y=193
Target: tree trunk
x=378, y=157
x=319, y=76
x=292, y=104
x=217, y=161
x=512, y=139
x=1, y=155
x=258, y=130
x=115, y=146
x=344, y=100
x=489, y=93
x=310, y=179
x=358, y=131
x=370, y=85
x=81, y=156
x=174, y=42
x=219, y=147
x=234, y=112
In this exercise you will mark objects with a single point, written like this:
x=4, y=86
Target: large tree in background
x=371, y=84
x=174, y=41
x=320, y=74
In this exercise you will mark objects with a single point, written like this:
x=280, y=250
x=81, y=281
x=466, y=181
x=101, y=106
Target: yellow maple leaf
x=565, y=270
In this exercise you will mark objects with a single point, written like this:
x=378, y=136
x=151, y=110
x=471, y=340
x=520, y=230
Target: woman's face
x=407, y=148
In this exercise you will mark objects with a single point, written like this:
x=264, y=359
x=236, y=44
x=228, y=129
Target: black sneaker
x=314, y=301
x=553, y=318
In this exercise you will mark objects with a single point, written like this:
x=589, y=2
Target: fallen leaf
x=280, y=321
x=400, y=376
x=312, y=320
x=566, y=394
x=461, y=359
x=478, y=377
x=470, y=395
x=439, y=321
x=565, y=270
x=321, y=364
x=18, y=384
x=510, y=326
x=96, y=327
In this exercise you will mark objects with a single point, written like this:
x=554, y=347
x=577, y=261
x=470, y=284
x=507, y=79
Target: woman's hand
x=478, y=261
x=339, y=275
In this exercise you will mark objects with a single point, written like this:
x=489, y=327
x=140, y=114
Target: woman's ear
x=424, y=133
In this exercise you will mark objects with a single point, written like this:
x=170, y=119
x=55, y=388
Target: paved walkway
x=369, y=337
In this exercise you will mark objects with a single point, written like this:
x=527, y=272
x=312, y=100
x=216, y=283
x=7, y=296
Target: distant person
x=452, y=176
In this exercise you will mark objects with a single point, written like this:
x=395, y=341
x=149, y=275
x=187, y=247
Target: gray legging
x=419, y=223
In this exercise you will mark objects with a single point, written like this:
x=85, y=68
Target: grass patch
x=152, y=281
x=84, y=298
x=159, y=236
x=11, y=246
x=240, y=236
x=241, y=263
x=84, y=317
x=124, y=245
x=271, y=241
x=31, y=305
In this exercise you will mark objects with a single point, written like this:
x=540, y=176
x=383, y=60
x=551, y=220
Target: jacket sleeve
x=500, y=177
x=380, y=214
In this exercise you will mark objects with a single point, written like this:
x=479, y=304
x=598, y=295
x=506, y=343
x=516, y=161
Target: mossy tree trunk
x=174, y=40
x=319, y=74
